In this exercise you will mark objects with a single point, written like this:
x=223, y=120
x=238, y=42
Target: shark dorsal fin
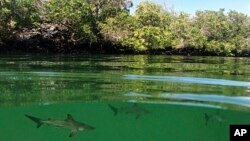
x=135, y=105
x=69, y=117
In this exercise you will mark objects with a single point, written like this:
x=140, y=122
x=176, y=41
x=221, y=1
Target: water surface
x=178, y=92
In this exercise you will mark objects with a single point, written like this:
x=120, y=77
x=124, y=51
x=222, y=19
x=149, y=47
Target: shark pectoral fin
x=69, y=117
x=206, y=118
x=39, y=125
x=137, y=116
x=73, y=132
x=35, y=119
x=115, y=110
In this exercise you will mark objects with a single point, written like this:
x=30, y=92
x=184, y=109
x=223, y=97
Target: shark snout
x=91, y=127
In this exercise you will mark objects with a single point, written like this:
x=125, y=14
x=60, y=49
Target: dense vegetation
x=107, y=25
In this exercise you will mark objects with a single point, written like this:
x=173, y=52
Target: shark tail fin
x=207, y=118
x=115, y=110
x=137, y=116
x=36, y=120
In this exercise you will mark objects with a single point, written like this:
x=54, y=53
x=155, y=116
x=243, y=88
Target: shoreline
x=57, y=39
x=15, y=51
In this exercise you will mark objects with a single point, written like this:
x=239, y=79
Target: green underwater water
x=177, y=91
x=165, y=122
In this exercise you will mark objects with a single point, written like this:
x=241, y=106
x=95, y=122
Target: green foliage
x=239, y=24
x=148, y=37
x=102, y=9
x=240, y=31
x=117, y=28
x=4, y=22
x=18, y=14
x=149, y=33
x=149, y=13
x=152, y=27
x=226, y=34
x=220, y=48
x=27, y=13
x=134, y=32
x=75, y=14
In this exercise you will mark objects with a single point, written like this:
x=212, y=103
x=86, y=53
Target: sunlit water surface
x=125, y=98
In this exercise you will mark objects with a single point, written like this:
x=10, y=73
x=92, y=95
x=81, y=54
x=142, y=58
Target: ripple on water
x=236, y=100
x=209, y=81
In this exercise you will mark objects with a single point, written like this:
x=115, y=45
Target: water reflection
x=196, y=80
x=185, y=98
x=42, y=80
x=243, y=101
x=137, y=95
x=182, y=103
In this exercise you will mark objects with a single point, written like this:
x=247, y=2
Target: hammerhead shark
x=135, y=109
x=69, y=122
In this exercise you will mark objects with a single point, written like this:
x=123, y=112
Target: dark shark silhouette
x=134, y=109
x=213, y=117
x=69, y=122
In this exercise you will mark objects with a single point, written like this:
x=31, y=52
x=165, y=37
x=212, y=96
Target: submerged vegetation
x=67, y=26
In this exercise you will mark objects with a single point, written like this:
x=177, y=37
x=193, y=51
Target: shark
x=69, y=122
x=213, y=117
x=134, y=109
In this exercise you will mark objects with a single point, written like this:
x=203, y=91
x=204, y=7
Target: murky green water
x=177, y=98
